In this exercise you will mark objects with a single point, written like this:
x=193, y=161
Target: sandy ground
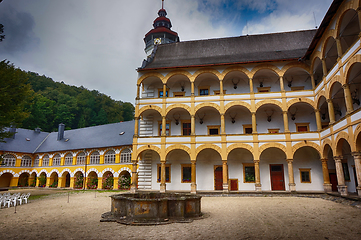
x=52, y=217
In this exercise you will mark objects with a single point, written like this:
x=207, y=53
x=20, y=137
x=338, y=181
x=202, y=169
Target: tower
x=161, y=32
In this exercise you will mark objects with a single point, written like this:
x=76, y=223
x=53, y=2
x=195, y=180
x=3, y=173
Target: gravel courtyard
x=52, y=217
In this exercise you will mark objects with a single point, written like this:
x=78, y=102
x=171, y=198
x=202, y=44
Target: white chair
x=20, y=198
x=10, y=200
x=26, y=197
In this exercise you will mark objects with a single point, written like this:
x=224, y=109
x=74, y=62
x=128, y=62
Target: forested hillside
x=53, y=103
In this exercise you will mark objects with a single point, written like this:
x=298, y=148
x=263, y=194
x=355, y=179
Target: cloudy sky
x=99, y=44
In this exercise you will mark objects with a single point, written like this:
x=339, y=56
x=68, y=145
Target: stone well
x=148, y=208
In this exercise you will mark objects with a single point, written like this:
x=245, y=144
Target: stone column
x=192, y=88
x=164, y=126
x=342, y=188
x=257, y=175
x=282, y=84
x=62, y=161
x=38, y=182
x=254, y=123
x=251, y=85
x=138, y=91
x=357, y=159
x=348, y=98
x=14, y=181
x=47, y=182
x=313, y=81
x=324, y=67
x=164, y=90
x=133, y=188
x=116, y=183
x=318, y=120
x=193, y=177
x=60, y=182
x=223, y=127
x=225, y=176
x=100, y=183
x=285, y=121
x=193, y=125
x=291, y=177
x=71, y=182
x=339, y=48
x=221, y=87
x=327, y=186
x=136, y=127
x=162, y=178
x=331, y=111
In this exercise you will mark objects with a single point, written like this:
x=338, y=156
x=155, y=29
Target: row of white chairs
x=14, y=199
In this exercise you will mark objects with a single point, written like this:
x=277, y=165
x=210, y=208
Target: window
x=167, y=128
x=95, y=158
x=109, y=157
x=273, y=130
x=297, y=88
x=126, y=156
x=36, y=161
x=56, y=160
x=68, y=159
x=81, y=158
x=186, y=173
x=249, y=173
x=303, y=127
x=213, y=130
x=9, y=160
x=26, y=161
x=178, y=94
x=305, y=175
x=247, y=129
x=264, y=89
x=45, y=160
x=167, y=173
x=160, y=92
x=203, y=91
x=186, y=128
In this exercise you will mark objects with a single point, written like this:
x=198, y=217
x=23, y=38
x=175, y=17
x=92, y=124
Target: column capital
x=324, y=160
x=356, y=154
x=253, y=113
x=316, y=110
x=138, y=84
x=256, y=161
x=345, y=86
x=136, y=118
x=289, y=160
x=337, y=158
x=284, y=112
x=329, y=100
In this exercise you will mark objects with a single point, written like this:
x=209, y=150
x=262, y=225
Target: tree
x=14, y=94
x=2, y=36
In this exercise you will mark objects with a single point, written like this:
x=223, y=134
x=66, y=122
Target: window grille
x=126, y=156
x=109, y=157
x=26, y=161
x=56, y=160
x=9, y=160
x=95, y=158
x=68, y=159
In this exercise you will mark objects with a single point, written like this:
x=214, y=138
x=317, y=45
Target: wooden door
x=333, y=181
x=234, y=184
x=277, y=177
x=218, y=178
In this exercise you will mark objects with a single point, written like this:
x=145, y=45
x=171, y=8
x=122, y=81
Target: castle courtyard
x=261, y=217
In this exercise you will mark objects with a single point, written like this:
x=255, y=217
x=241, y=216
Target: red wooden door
x=333, y=181
x=234, y=184
x=218, y=178
x=277, y=177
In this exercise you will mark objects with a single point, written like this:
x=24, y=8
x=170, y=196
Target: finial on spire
x=162, y=4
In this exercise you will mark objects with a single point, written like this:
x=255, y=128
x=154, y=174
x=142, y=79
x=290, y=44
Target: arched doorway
x=23, y=180
x=5, y=179
x=241, y=170
x=78, y=180
x=124, y=180
x=273, y=169
x=54, y=180
x=42, y=179
x=208, y=171
x=108, y=180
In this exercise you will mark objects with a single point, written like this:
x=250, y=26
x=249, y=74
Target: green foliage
x=42, y=180
x=108, y=181
x=92, y=183
x=15, y=92
x=2, y=36
x=78, y=181
x=76, y=107
x=124, y=182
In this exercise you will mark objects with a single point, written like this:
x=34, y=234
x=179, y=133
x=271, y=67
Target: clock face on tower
x=157, y=41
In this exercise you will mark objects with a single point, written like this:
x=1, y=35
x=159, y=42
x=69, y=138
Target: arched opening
x=209, y=172
x=126, y=156
x=343, y=149
x=330, y=53
x=269, y=119
x=68, y=159
x=338, y=100
x=32, y=179
x=322, y=106
x=317, y=71
x=179, y=163
x=266, y=80
x=206, y=84
x=147, y=173
x=180, y=122
x=354, y=81
x=108, y=180
x=92, y=180
x=302, y=118
x=349, y=29
x=56, y=160
x=238, y=120
x=81, y=158
x=9, y=160
x=124, y=180
x=42, y=180
x=307, y=169
x=297, y=79
x=26, y=161
x=241, y=170
x=152, y=87
x=5, y=179
x=109, y=157
x=78, y=180
x=208, y=121
x=179, y=86
x=94, y=157
x=65, y=180
x=23, y=180
x=236, y=82
x=273, y=169
x=151, y=124
x=45, y=162
x=54, y=180
x=328, y=153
